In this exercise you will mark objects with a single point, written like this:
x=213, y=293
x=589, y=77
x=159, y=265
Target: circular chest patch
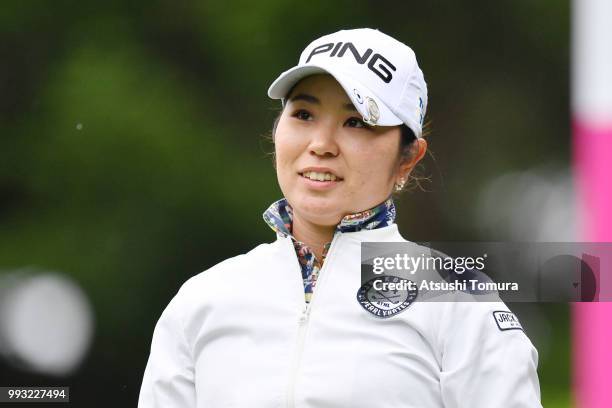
x=386, y=296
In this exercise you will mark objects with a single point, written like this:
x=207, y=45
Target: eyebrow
x=314, y=100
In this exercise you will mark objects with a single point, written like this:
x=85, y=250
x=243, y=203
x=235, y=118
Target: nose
x=323, y=141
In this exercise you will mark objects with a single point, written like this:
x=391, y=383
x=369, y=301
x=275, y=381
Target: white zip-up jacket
x=240, y=335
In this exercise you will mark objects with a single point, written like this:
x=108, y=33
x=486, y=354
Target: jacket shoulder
x=219, y=274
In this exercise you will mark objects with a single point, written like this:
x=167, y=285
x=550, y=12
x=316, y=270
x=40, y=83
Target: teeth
x=313, y=175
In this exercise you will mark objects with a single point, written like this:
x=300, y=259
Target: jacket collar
x=279, y=217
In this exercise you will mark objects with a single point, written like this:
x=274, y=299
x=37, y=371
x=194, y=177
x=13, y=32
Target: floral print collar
x=279, y=216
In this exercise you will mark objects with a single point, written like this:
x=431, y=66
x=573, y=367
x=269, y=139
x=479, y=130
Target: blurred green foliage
x=132, y=155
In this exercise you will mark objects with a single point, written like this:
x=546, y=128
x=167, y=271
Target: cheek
x=287, y=149
x=373, y=173
x=374, y=163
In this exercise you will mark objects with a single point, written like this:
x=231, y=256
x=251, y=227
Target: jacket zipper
x=303, y=325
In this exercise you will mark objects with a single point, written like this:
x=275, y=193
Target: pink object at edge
x=592, y=322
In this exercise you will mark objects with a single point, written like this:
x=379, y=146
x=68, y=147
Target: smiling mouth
x=316, y=176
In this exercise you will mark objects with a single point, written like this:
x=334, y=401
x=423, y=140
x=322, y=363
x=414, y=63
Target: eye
x=302, y=114
x=357, y=123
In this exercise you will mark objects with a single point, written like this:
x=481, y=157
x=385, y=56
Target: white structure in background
x=46, y=322
x=592, y=62
x=536, y=205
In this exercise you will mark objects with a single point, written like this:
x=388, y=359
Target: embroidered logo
x=507, y=321
x=378, y=64
x=385, y=296
x=358, y=95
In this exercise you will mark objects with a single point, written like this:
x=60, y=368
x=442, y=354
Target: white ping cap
x=378, y=73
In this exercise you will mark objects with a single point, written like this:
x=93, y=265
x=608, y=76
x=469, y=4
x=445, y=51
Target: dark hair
x=408, y=138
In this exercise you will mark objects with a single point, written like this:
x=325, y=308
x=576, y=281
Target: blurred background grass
x=130, y=130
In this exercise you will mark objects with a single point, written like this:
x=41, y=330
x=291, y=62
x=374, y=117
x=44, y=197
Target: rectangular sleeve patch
x=507, y=321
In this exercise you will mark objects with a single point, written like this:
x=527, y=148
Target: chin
x=319, y=210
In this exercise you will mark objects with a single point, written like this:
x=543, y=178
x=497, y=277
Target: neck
x=313, y=235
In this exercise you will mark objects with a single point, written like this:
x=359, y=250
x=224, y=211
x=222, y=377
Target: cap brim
x=356, y=91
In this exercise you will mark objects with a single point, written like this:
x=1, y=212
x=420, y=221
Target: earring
x=399, y=185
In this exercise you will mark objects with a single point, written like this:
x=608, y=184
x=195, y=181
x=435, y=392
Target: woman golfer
x=288, y=324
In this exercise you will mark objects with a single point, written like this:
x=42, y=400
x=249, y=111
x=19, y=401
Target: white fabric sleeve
x=168, y=380
x=483, y=365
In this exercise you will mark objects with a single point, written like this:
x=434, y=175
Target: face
x=320, y=135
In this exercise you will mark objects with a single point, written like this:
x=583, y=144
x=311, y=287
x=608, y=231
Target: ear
x=419, y=148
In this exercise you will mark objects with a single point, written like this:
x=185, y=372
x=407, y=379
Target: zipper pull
x=304, y=315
